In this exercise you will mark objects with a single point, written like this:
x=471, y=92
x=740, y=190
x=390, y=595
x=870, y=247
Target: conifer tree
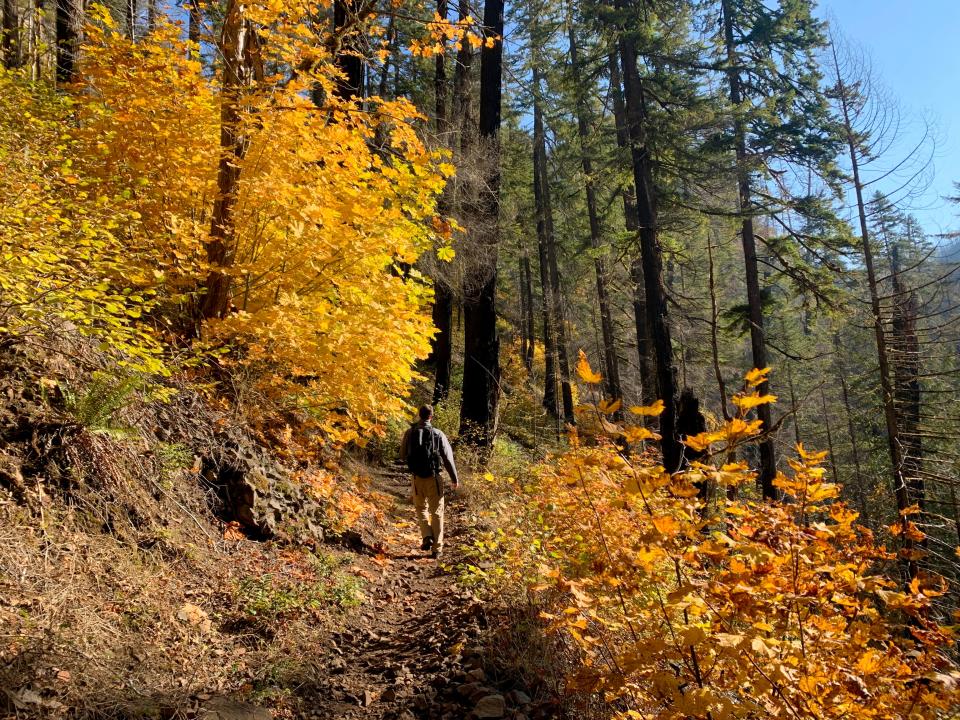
x=780, y=116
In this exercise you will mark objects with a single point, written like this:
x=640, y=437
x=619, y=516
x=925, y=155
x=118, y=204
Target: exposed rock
x=491, y=706
x=221, y=708
x=521, y=698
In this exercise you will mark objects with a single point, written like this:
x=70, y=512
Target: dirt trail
x=411, y=650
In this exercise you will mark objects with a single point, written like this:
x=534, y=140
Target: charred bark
x=481, y=372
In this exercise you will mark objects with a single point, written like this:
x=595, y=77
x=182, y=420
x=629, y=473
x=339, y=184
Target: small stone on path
x=491, y=706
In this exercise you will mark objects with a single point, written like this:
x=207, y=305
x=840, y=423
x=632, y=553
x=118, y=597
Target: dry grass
x=122, y=593
x=96, y=627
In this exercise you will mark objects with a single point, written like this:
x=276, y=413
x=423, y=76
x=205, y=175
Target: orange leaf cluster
x=749, y=610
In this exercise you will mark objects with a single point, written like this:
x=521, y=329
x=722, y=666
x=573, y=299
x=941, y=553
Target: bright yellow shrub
x=335, y=204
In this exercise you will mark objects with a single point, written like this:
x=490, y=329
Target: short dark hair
x=425, y=412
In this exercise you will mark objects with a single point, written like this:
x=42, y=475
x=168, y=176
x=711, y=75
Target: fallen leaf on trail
x=365, y=574
x=196, y=616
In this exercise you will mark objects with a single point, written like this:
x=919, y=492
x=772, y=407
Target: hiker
x=427, y=451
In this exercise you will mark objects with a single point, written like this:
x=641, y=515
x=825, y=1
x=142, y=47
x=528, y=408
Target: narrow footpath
x=412, y=649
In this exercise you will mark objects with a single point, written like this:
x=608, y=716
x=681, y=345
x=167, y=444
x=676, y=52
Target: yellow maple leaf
x=756, y=376
x=608, y=407
x=754, y=399
x=586, y=372
x=653, y=410
x=634, y=434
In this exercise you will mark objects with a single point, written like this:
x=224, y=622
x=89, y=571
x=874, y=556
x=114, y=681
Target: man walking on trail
x=427, y=451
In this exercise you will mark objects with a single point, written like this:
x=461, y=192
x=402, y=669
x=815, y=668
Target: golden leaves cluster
x=742, y=609
x=65, y=260
x=336, y=201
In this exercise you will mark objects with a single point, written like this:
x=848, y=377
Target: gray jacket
x=446, y=451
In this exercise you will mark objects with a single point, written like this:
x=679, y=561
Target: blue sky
x=915, y=47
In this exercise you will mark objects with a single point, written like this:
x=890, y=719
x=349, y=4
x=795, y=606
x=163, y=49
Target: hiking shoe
x=427, y=543
x=436, y=553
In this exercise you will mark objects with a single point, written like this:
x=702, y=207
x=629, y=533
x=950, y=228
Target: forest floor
x=414, y=648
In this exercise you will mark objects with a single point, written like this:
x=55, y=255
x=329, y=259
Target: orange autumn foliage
x=743, y=610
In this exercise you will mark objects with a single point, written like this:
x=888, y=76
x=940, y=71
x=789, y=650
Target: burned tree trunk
x=481, y=372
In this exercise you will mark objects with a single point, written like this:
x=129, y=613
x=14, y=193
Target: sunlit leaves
x=654, y=410
x=743, y=608
x=608, y=407
x=334, y=203
x=749, y=401
x=586, y=372
x=756, y=377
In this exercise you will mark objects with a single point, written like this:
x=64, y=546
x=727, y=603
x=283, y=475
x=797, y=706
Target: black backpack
x=423, y=451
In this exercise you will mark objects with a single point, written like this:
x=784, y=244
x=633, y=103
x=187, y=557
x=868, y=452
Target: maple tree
x=330, y=202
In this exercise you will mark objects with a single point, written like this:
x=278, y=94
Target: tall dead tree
x=850, y=103
x=481, y=372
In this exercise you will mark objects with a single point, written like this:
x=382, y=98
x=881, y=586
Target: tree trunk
x=768, y=459
x=550, y=400
x=441, y=351
x=648, y=380
x=610, y=360
x=36, y=40
x=556, y=292
x=345, y=25
x=657, y=315
x=66, y=21
x=239, y=55
x=10, y=39
x=196, y=21
x=481, y=372
x=522, y=323
x=714, y=331
x=530, y=331
x=151, y=15
x=130, y=18
x=906, y=380
x=900, y=490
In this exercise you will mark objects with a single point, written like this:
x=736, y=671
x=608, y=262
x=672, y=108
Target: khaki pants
x=428, y=499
